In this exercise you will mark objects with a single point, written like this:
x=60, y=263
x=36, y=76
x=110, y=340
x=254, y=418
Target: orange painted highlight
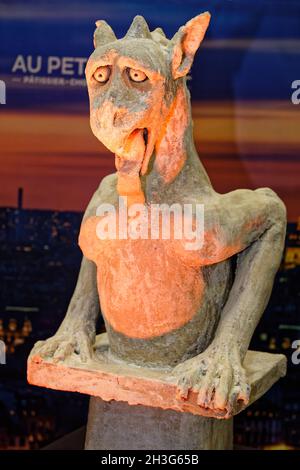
x=170, y=151
x=145, y=289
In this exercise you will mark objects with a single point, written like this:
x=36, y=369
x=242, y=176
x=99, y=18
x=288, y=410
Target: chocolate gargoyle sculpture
x=167, y=306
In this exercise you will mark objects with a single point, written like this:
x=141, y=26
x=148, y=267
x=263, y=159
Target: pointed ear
x=186, y=42
x=103, y=34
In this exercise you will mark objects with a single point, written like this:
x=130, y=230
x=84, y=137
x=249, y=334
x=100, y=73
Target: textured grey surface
x=119, y=426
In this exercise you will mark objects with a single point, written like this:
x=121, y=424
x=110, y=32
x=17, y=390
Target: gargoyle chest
x=146, y=289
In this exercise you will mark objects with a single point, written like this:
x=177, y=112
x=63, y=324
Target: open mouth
x=145, y=137
x=134, y=155
x=148, y=150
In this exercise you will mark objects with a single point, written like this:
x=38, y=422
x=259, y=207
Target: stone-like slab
x=118, y=426
x=109, y=379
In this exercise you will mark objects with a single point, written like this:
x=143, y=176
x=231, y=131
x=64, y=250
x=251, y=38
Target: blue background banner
x=246, y=122
x=251, y=49
x=245, y=86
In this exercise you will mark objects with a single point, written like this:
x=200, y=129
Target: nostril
x=118, y=117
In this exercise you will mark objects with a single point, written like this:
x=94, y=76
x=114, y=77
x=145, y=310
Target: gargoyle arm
x=257, y=221
x=256, y=268
x=77, y=331
x=84, y=308
x=251, y=224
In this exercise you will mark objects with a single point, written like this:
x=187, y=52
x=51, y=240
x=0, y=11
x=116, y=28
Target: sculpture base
x=110, y=380
x=119, y=426
x=138, y=407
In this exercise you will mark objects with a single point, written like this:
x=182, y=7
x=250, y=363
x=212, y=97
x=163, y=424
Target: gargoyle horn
x=103, y=34
x=138, y=29
x=159, y=31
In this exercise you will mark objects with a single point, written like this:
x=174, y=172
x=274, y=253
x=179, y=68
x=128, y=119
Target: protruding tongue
x=129, y=166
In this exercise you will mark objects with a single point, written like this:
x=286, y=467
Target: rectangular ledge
x=111, y=380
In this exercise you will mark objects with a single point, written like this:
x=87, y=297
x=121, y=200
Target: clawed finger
x=183, y=387
x=47, y=349
x=85, y=349
x=221, y=396
x=244, y=393
x=207, y=388
x=64, y=350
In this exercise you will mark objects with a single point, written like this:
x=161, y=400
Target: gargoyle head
x=133, y=83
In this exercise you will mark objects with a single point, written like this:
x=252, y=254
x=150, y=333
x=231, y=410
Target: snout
x=119, y=130
x=110, y=116
x=106, y=125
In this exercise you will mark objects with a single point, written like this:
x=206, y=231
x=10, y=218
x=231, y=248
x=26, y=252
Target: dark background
x=247, y=132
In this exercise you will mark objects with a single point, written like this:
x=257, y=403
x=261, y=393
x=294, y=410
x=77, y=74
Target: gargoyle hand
x=218, y=377
x=65, y=343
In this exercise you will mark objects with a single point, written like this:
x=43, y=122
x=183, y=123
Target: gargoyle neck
x=175, y=159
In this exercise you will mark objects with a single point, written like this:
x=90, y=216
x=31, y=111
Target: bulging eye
x=102, y=74
x=137, y=75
